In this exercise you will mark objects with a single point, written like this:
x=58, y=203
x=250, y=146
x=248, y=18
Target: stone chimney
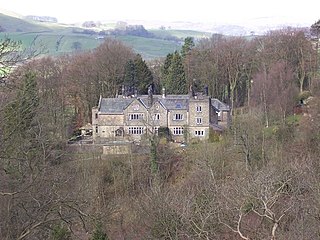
x=123, y=90
x=150, y=95
x=206, y=90
x=191, y=91
x=135, y=92
x=163, y=92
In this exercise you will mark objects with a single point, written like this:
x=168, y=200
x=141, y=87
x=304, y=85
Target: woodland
x=259, y=179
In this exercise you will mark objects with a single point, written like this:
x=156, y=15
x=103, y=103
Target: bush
x=213, y=136
x=99, y=234
x=303, y=96
x=61, y=232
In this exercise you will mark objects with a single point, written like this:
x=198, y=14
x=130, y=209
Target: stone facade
x=131, y=118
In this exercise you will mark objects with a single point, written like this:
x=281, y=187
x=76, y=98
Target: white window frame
x=178, y=131
x=135, y=116
x=136, y=130
x=178, y=117
x=156, y=130
x=156, y=116
x=198, y=120
x=199, y=133
x=199, y=108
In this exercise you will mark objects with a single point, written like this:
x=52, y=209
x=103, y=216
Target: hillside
x=12, y=24
x=60, y=39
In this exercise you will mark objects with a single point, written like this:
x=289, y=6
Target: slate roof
x=114, y=105
x=175, y=104
x=219, y=105
x=170, y=102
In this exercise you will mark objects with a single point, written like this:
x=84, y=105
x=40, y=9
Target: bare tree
x=109, y=64
x=232, y=55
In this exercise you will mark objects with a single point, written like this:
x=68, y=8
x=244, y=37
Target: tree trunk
x=274, y=228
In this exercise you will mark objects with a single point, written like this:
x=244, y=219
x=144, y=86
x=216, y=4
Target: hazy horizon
x=220, y=12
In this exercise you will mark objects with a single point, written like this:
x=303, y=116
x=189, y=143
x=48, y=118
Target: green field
x=57, y=39
x=181, y=34
x=58, y=44
x=54, y=43
x=150, y=48
x=12, y=24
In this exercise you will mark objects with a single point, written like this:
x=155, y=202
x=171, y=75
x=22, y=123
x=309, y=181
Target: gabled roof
x=175, y=104
x=114, y=105
x=170, y=102
x=219, y=105
x=137, y=100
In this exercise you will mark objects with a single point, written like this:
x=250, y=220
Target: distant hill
x=42, y=19
x=13, y=24
x=59, y=39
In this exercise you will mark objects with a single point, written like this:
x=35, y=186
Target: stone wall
x=117, y=149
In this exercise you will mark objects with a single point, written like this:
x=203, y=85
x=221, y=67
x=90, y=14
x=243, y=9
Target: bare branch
x=238, y=230
x=8, y=193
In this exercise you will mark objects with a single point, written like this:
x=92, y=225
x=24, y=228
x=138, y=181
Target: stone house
x=184, y=116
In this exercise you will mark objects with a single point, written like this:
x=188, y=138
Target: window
x=97, y=129
x=136, y=130
x=96, y=115
x=199, y=133
x=156, y=130
x=135, y=116
x=156, y=116
x=178, y=116
x=199, y=109
x=198, y=120
x=178, y=131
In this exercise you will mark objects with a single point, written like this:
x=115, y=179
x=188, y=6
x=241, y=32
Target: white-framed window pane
x=199, y=133
x=178, y=116
x=136, y=130
x=156, y=116
x=178, y=131
x=135, y=116
x=199, y=109
x=156, y=130
x=198, y=120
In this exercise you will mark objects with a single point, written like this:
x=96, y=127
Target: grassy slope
x=150, y=47
x=50, y=41
x=181, y=34
x=48, y=35
x=12, y=24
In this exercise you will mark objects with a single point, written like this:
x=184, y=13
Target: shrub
x=60, y=232
x=99, y=234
